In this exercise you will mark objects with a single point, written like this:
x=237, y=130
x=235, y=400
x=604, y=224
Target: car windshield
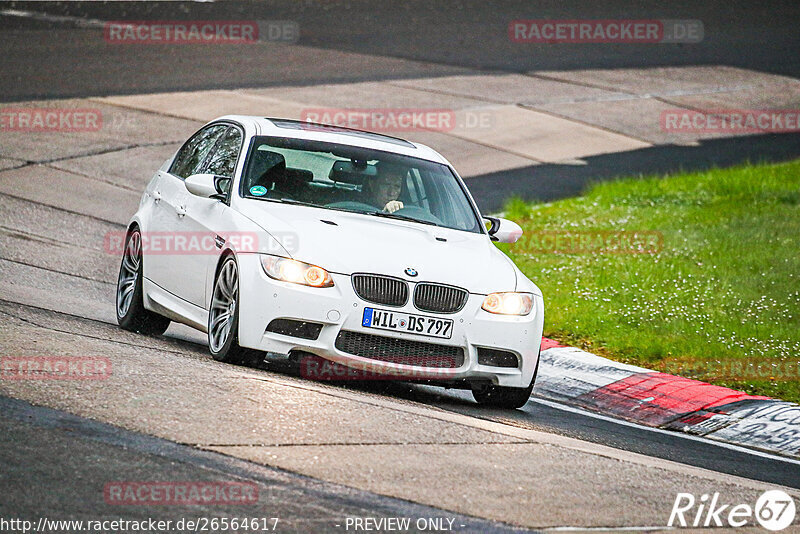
x=356, y=179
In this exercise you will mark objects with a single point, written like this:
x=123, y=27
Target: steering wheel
x=419, y=213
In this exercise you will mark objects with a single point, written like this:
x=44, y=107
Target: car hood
x=348, y=243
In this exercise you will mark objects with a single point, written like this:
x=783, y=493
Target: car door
x=203, y=219
x=164, y=257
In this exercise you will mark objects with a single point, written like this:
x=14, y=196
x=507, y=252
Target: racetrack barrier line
x=661, y=400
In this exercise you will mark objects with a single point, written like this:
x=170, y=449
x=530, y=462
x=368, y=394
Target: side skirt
x=161, y=301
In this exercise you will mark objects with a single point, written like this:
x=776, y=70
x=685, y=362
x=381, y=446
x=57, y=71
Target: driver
x=385, y=188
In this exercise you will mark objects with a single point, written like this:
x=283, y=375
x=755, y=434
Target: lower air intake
x=400, y=351
x=291, y=327
x=497, y=358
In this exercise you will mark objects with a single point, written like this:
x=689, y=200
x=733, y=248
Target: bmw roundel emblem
x=410, y=271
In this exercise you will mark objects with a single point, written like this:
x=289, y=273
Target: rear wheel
x=131, y=313
x=223, y=318
x=502, y=396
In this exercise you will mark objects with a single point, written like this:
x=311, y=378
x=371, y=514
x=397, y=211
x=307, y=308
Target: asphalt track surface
x=429, y=37
x=104, y=439
x=345, y=41
x=96, y=452
x=63, y=451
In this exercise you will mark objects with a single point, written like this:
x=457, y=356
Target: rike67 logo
x=774, y=510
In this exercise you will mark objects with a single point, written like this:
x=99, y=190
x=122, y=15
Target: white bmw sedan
x=363, y=250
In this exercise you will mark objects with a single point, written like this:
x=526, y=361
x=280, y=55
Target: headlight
x=295, y=271
x=508, y=303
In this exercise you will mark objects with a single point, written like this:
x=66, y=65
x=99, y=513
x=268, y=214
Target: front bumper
x=338, y=308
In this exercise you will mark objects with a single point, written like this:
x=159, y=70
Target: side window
x=223, y=160
x=191, y=157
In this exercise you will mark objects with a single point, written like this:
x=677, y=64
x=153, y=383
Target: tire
x=223, y=318
x=131, y=313
x=504, y=397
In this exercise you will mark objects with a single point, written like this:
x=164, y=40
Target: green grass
x=719, y=302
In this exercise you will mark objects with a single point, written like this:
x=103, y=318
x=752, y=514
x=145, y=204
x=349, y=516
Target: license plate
x=406, y=322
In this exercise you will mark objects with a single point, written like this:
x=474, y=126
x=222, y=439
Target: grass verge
x=692, y=274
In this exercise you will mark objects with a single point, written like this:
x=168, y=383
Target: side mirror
x=503, y=230
x=208, y=185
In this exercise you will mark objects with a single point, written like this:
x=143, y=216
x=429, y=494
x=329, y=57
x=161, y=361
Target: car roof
x=255, y=125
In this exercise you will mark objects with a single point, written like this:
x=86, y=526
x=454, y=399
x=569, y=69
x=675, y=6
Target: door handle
x=181, y=211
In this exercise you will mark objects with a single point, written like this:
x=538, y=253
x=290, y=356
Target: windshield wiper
x=290, y=201
x=400, y=217
x=297, y=202
x=301, y=203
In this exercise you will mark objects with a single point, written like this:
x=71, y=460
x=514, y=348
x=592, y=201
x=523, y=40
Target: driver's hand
x=393, y=206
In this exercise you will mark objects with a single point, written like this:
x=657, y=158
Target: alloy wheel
x=129, y=273
x=223, y=306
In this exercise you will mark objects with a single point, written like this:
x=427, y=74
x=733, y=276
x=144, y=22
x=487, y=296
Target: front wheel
x=223, y=318
x=503, y=396
x=131, y=313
